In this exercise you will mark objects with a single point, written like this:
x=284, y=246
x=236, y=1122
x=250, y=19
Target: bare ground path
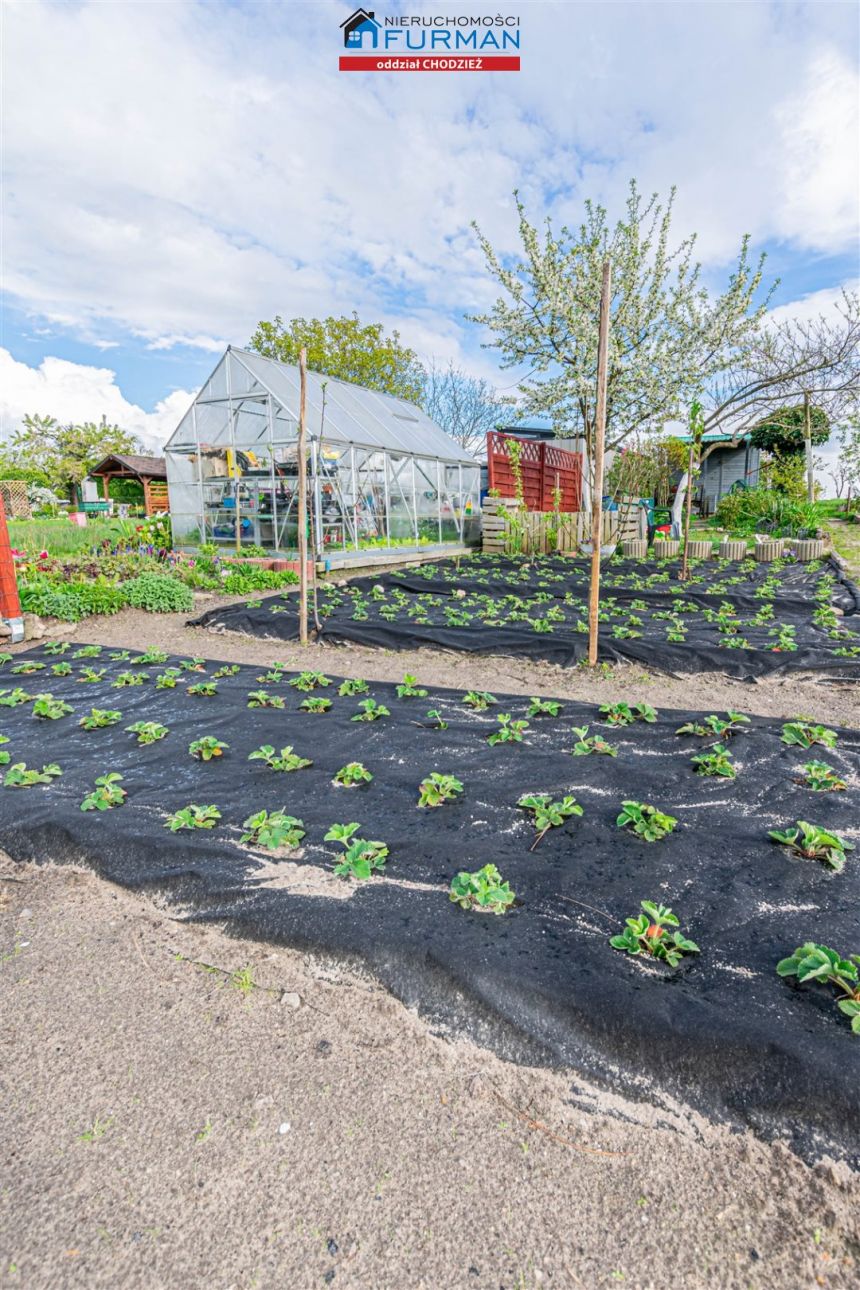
x=164, y=1127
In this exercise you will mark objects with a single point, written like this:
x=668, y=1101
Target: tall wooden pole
x=807, y=438
x=597, y=474
x=303, y=498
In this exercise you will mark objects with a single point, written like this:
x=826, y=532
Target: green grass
x=60, y=536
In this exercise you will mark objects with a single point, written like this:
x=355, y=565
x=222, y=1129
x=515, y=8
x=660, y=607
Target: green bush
x=764, y=510
x=158, y=593
x=251, y=577
x=70, y=601
x=783, y=431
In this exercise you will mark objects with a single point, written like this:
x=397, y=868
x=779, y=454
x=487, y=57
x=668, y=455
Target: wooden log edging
x=732, y=549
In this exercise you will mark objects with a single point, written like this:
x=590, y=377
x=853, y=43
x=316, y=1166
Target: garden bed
x=744, y=619
x=721, y=1031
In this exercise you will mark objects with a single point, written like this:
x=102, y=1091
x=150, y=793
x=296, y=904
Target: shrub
x=158, y=593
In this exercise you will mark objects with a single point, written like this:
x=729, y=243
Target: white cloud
x=76, y=392
x=179, y=171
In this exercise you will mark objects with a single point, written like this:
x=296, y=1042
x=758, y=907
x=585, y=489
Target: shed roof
x=352, y=413
x=151, y=467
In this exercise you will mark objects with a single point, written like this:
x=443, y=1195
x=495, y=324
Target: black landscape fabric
x=745, y=620
x=722, y=1032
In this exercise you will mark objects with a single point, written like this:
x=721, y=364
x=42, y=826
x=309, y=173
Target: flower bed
x=488, y=856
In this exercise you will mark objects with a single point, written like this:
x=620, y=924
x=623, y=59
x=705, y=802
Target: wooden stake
x=688, y=509
x=807, y=436
x=597, y=480
x=303, y=498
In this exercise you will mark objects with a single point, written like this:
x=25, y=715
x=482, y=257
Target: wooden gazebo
x=150, y=471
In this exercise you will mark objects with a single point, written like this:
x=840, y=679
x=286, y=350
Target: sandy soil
x=773, y=696
x=163, y=1127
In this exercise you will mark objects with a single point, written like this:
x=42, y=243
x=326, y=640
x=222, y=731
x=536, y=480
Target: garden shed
x=727, y=464
x=149, y=472
x=381, y=474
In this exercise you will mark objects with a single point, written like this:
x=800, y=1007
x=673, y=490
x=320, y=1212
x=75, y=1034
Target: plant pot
x=667, y=550
x=808, y=549
x=635, y=548
x=732, y=549
x=699, y=550
x=771, y=549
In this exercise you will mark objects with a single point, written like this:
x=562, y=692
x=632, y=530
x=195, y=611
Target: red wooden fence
x=543, y=467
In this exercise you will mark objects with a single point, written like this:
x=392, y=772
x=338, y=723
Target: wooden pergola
x=150, y=471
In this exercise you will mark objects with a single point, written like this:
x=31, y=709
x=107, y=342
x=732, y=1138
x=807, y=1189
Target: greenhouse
x=381, y=475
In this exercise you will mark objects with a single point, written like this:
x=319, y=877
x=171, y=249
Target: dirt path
x=163, y=1127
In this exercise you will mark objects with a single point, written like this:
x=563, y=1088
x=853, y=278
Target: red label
x=427, y=63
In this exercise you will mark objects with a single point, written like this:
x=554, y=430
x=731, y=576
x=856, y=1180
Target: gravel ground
x=163, y=1127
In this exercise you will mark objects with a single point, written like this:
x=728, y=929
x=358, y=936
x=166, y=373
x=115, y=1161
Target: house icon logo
x=358, y=25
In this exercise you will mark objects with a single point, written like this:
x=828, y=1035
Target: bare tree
x=464, y=406
x=779, y=363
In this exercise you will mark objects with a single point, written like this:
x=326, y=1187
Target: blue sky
x=177, y=171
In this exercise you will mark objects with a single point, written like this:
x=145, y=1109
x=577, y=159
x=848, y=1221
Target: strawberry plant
x=648, y=934
x=207, y=747
x=480, y=700
x=51, y=709
x=229, y=669
x=309, y=681
x=12, y=698
x=5, y=757
x=437, y=719
x=286, y=760
x=272, y=830
x=262, y=699
x=88, y=651
x=119, y=655
x=167, y=679
x=409, y=688
x=623, y=714
x=437, y=789
x=149, y=656
x=802, y=734
x=352, y=774
x=61, y=669
x=371, y=711
x=193, y=664
x=315, y=704
x=509, y=732
x=91, y=675
x=361, y=856
x=813, y=843
x=721, y=727
x=821, y=778
x=543, y=708
x=585, y=746
x=645, y=821
x=98, y=718
x=206, y=689
x=129, y=678
x=548, y=814
x=26, y=668
x=106, y=794
x=352, y=686
x=272, y=677
x=811, y=962
x=18, y=776
x=484, y=891
x=51, y=647
x=716, y=762
x=148, y=732
x=193, y=817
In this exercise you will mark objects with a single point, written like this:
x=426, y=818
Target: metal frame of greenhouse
x=381, y=475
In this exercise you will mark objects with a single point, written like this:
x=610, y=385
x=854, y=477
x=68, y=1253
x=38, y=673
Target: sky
x=174, y=172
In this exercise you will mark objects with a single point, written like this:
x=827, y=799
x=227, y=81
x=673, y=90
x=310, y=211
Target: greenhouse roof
x=353, y=414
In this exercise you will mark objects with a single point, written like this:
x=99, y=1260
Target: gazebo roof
x=131, y=463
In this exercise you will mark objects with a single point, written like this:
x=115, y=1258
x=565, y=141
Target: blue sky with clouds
x=176, y=171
